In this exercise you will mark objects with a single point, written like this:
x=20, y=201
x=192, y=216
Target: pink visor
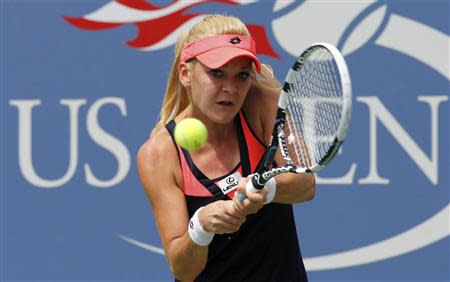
x=215, y=51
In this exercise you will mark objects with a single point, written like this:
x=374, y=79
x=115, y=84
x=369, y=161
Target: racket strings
x=296, y=146
x=314, y=108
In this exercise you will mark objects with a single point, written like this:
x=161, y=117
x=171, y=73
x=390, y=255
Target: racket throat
x=274, y=172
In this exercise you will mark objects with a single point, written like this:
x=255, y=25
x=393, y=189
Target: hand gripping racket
x=314, y=110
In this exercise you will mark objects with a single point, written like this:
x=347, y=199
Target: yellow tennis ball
x=190, y=133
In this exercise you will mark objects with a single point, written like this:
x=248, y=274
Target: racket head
x=317, y=101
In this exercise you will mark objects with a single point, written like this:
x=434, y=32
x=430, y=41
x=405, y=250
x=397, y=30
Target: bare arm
x=156, y=161
x=160, y=175
x=295, y=188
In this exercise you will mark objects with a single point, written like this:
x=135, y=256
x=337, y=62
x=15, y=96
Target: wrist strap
x=271, y=186
x=198, y=235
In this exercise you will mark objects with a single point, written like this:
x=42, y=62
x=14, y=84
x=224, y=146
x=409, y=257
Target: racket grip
x=271, y=186
x=255, y=183
x=250, y=188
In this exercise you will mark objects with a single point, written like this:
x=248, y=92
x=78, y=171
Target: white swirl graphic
x=422, y=235
x=114, y=12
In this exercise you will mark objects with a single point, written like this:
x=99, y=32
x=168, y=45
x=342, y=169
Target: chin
x=223, y=118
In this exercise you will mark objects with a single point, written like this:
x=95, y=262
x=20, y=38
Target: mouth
x=225, y=103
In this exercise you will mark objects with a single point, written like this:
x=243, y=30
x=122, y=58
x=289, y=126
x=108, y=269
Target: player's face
x=218, y=94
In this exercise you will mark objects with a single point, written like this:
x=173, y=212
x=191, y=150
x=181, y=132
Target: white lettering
x=341, y=180
x=25, y=108
x=107, y=141
x=429, y=166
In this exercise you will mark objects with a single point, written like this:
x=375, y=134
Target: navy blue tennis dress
x=266, y=246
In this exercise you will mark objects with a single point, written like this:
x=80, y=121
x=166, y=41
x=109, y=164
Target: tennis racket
x=314, y=110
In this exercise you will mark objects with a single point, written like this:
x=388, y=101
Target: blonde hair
x=176, y=97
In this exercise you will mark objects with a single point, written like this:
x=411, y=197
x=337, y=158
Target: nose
x=230, y=85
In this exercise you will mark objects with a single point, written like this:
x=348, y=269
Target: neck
x=221, y=133
x=218, y=133
x=221, y=153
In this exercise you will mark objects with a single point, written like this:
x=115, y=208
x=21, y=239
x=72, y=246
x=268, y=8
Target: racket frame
x=277, y=140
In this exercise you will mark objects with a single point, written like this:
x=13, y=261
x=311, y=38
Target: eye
x=216, y=73
x=244, y=75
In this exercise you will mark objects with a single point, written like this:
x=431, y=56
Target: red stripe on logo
x=151, y=32
x=263, y=45
x=138, y=4
x=90, y=25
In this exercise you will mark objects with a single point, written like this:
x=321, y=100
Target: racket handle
x=271, y=186
x=255, y=184
x=249, y=188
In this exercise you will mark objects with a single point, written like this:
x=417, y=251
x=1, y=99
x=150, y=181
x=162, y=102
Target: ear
x=184, y=75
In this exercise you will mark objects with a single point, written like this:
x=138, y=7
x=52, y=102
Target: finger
x=237, y=203
x=240, y=192
x=229, y=212
x=240, y=196
x=246, y=203
x=241, y=186
x=249, y=207
x=227, y=227
x=257, y=197
x=233, y=217
x=236, y=209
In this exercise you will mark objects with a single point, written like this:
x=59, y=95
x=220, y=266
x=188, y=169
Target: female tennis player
x=210, y=227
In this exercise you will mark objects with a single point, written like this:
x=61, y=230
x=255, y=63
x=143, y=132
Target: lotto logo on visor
x=215, y=51
x=235, y=40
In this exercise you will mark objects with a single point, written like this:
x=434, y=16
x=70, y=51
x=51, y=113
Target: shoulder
x=159, y=145
x=260, y=107
x=158, y=158
x=263, y=92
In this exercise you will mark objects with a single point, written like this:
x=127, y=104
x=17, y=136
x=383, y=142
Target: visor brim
x=218, y=57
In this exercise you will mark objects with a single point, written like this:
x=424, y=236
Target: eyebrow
x=247, y=68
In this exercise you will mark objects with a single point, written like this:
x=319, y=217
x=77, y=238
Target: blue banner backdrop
x=81, y=88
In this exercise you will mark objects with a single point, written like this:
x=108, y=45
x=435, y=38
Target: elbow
x=178, y=272
x=185, y=272
x=182, y=275
x=185, y=260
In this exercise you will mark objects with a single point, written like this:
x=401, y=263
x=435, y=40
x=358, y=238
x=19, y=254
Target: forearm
x=186, y=259
x=294, y=188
